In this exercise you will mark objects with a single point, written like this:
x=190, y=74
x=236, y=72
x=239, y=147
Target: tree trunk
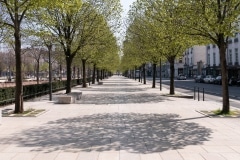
x=74, y=72
x=139, y=75
x=84, y=85
x=160, y=74
x=98, y=76
x=101, y=75
x=60, y=70
x=38, y=72
x=50, y=72
x=171, y=61
x=69, y=73
x=135, y=73
x=225, y=92
x=78, y=73
x=19, y=86
x=144, y=74
x=154, y=76
x=94, y=74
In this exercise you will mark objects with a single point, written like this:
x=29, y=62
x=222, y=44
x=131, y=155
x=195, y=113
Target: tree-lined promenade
x=83, y=33
x=162, y=30
x=82, y=30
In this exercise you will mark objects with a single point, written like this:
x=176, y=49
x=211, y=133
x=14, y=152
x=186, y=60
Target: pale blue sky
x=126, y=4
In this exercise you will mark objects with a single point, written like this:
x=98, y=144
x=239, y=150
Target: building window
x=236, y=55
x=230, y=56
x=180, y=60
x=214, y=58
x=235, y=40
x=208, y=59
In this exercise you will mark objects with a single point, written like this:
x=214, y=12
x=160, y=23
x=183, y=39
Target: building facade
x=213, y=66
x=191, y=63
x=194, y=59
x=205, y=60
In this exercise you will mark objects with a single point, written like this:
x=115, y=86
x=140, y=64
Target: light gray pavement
x=120, y=120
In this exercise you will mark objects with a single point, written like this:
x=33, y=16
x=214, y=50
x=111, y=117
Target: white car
x=209, y=79
x=181, y=77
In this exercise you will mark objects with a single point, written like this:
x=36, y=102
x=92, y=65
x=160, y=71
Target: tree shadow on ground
x=107, y=98
x=120, y=84
x=114, y=89
x=132, y=132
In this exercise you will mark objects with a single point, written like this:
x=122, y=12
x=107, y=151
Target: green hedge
x=7, y=95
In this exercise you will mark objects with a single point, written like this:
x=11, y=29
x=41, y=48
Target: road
x=212, y=92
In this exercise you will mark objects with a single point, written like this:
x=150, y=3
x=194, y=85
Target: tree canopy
x=72, y=23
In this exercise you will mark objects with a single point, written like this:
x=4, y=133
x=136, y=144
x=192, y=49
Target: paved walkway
x=120, y=120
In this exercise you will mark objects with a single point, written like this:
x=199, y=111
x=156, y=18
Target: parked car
x=199, y=79
x=238, y=82
x=209, y=79
x=232, y=81
x=218, y=80
x=181, y=77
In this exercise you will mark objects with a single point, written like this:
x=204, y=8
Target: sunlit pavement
x=120, y=120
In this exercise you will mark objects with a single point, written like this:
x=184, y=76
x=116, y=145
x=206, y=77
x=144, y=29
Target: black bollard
x=194, y=93
x=203, y=94
x=198, y=94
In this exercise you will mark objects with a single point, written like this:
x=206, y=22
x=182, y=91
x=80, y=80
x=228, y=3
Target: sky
x=126, y=4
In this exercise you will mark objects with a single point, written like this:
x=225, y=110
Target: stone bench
x=100, y=83
x=0, y=116
x=75, y=96
x=64, y=99
x=69, y=98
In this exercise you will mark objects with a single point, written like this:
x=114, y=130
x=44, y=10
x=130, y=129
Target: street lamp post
x=8, y=75
x=160, y=74
x=50, y=71
x=48, y=42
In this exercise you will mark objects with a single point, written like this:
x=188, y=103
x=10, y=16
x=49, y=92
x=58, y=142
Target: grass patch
x=231, y=113
x=218, y=113
x=28, y=113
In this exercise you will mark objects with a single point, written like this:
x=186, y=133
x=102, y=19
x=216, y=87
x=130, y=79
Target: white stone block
x=100, y=83
x=64, y=99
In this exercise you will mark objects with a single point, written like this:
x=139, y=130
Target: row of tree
x=83, y=30
x=164, y=29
